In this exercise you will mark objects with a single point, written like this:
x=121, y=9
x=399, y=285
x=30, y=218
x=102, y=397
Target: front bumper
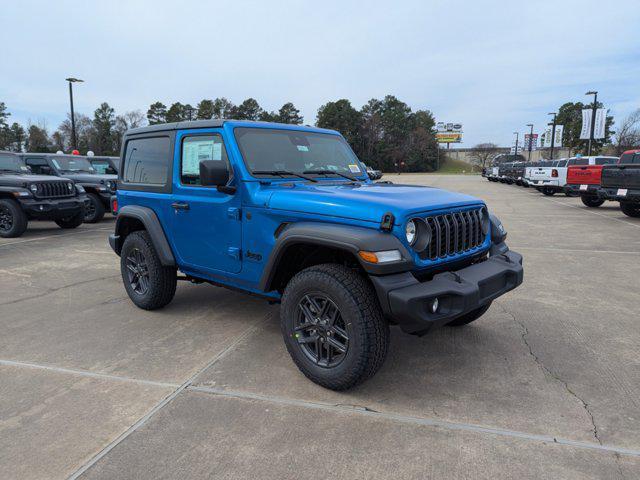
x=52, y=209
x=582, y=189
x=408, y=302
x=620, y=194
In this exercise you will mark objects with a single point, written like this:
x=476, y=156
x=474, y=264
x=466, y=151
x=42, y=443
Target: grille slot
x=54, y=190
x=454, y=233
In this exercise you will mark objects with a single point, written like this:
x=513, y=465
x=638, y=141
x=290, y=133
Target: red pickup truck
x=584, y=179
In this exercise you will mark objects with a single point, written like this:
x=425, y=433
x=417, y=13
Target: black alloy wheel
x=320, y=330
x=6, y=218
x=138, y=271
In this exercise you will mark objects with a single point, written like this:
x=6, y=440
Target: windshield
x=73, y=164
x=12, y=164
x=271, y=150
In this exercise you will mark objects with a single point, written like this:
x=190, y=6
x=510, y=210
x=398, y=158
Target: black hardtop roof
x=215, y=123
x=6, y=152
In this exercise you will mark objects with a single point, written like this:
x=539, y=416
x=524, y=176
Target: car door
x=206, y=224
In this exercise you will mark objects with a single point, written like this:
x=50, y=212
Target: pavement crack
x=362, y=408
x=524, y=334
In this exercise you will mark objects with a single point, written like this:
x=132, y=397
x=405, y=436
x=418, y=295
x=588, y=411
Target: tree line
x=385, y=134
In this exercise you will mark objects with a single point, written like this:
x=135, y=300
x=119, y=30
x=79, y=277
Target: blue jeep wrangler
x=288, y=213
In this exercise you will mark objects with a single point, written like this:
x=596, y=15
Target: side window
x=605, y=161
x=100, y=166
x=147, y=160
x=36, y=165
x=195, y=149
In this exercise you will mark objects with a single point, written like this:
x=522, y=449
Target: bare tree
x=126, y=121
x=483, y=153
x=628, y=134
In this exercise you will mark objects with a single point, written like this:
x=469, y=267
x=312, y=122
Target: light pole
x=515, y=153
x=553, y=133
x=593, y=117
x=530, y=141
x=71, y=81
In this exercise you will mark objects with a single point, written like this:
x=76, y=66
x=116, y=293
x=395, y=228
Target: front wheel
x=591, y=202
x=95, y=209
x=13, y=221
x=469, y=317
x=333, y=326
x=149, y=284
x=630, y=209
x=71, y=222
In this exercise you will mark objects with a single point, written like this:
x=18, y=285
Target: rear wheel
x=13, y=221
x=71, y=222
x=95, y=209
x=333, y=326
x=630, y=209
x=149, y=284
x=469, y=317
x=548, y=191
x=591, y=201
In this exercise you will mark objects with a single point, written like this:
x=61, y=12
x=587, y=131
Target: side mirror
x=215, y=173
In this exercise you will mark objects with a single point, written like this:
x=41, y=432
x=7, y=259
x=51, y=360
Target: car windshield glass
x=281, y=151
x=73, y=164
x=12, y=164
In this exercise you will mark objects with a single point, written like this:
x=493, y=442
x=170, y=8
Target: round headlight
x=33, y=187
x=410, y=232
x=484, y=220
x=70, y=186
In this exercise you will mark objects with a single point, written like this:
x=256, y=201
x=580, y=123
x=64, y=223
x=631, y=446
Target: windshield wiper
x=282, y=173
x=326, y=172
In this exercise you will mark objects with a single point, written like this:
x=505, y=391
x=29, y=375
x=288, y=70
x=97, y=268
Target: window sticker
x=354, y=168
x=196, y=151
x=302, y=148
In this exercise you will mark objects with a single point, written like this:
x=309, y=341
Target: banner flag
x=601, y=120
x=557, y=140
x=585, y=132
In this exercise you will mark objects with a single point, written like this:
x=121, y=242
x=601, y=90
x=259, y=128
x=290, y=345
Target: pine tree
x=157, y=113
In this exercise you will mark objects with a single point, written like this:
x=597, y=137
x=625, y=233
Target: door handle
x=180, y=206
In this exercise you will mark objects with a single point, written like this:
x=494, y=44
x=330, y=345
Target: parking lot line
x=86, y=373
x=429, y=422
x=576, y=250
x=156, y=408
x=56, y=236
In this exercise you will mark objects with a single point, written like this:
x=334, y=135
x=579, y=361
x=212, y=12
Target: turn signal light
x=385, y=256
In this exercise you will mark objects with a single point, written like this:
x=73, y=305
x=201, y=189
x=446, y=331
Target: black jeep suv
x=25, y=196
x=99, y=188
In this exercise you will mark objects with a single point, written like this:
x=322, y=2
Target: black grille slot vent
x=54, y=190
x=454, y=233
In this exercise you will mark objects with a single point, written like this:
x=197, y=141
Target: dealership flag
x=599, y=129
x=557, y=140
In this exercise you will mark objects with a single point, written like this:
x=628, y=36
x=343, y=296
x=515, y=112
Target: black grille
x=54, y=190
x=454, y=233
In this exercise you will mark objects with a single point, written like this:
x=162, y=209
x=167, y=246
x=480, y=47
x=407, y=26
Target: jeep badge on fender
x=345, y=257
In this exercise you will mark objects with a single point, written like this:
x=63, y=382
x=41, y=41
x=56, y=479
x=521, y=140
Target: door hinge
x=234, y=252
x=234, y=213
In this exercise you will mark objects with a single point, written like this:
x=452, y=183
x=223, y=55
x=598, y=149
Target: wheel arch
x=133, y=218
x=304, y=244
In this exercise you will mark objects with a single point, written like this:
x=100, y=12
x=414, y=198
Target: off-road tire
x=549, y=192
x=95, y=212
x=591, y=201
x=71, y=222
x=17, y=218
x=630, y=209
x=161, y=280
x=358, y=305
x=472, y=316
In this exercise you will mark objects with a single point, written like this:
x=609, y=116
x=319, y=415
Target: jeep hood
x=90, y=178
x=367, y=202
x=20, y=180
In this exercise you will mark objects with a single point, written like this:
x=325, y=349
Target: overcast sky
x=493, y=66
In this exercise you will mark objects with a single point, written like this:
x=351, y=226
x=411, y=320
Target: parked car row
x=595, y=179
x=66, y=189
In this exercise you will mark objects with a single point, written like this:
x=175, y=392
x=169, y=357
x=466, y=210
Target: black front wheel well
x=299, y=256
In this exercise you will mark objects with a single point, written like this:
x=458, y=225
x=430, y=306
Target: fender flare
x=343, y=237
x=11, y=189
x=151, y=224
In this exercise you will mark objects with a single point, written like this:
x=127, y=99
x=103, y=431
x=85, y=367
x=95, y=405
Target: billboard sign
x=448, y=132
